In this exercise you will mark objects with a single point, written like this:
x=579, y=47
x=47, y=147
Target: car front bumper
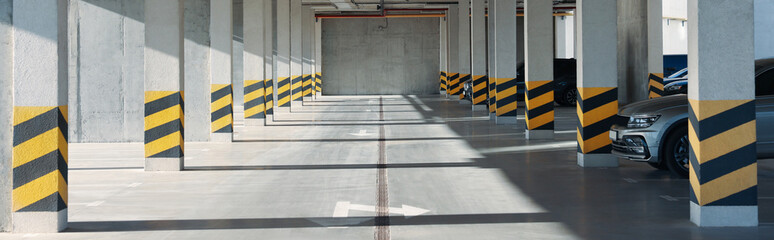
x=639, y=144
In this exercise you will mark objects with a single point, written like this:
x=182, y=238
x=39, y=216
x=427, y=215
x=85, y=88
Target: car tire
x=569, y=97
x=659, y=165
x=676, y=153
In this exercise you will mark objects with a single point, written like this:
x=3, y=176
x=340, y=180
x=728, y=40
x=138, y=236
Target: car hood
x=655, y=105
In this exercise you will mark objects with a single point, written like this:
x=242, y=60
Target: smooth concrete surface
x=633, y=55
x=6, y=112
x=539, y=134
x=392, y=55
x=197, y=70
x=226, y=137
x=238, y=52
x=164, y=164
x=107, y=40
x=723, y=216
x=764, y=47
x=476, y=180
x=597, y=160
x=500, y=120
x=564, y=36
x=39, y=222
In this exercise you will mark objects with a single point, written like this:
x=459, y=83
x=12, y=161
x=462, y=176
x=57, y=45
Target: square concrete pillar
x=539, y=69
x=478, y=55
x=269, y=33
x=164, y=81
x=255, y=81
x=464, y=48
x=597, y=81
x=505, y=38
x=282, y=29
x=40, y=80
x=723, y=166
x=491, y=52
x=655, y=49
x=444, y=52
x=307, y=27
x=296, y=54
x=453, y=74
x=221, y=90
x=318, y=57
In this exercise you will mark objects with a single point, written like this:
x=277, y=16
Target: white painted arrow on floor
x=342, y=209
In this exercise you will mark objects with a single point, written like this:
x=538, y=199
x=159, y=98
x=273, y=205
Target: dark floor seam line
x=382, y=229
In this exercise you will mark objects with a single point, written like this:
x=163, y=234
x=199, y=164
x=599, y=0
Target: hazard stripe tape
x=255, y=93
x=492, y=95
x=655, y=85
x=723, y=157
x=269, y=96
x=506, y=97
x=453, y=83
x=443, y=81
x=297, y=91
x=164, y=124
x=540, y=105
x=283, y=92
x=318, y=85
x=460, y=82
x=596, y=111
x=307, y=84
x=39, y=159
x=221, y=112
x=480, y=89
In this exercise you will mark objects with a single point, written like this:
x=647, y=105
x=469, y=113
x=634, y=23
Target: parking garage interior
x=379, y=119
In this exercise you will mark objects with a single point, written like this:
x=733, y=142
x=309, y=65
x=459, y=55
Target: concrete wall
x=6, y=112
x=564, y=36
x=380, y=56
x=632, y=51
x=675, y=31
x=197, y=70
x=106, y=90
x=764, y=23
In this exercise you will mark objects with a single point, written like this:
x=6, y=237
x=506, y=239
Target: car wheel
x=659, y=165
x=569, y=97
x=677, y=152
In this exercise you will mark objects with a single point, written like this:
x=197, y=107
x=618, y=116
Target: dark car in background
x=565, y=78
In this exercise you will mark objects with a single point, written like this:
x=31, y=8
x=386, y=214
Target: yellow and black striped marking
x=540, y=105
x=283, y=92
x=39, y=159
x=254, y=99
x=597, y=107
x=307, y=84
x=492, y=95
x=453, y=83
x=221, y=111
x=297, y=88
x=506, y=97
x=269, y=96
x=443, y=81
x=164, y=124
x=723, y=169
x=318, y=83
x=479, y=90
x=655, y=85
x=459, y=86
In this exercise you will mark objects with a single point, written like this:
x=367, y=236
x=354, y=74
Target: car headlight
x=642, y=121
x=673, y=87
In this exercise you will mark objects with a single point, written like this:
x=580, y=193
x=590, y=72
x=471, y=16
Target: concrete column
x=6, y=113
x=492, y=86
x=268, y=61
x=721, y=129
x=539, y=68
x=453, y=76
x=318, y=56
x=478, y=54
x=505, y=40
x=464, y=46
x=307, y=26
x=197, y=66
x=655, y=49
x=237, y=59
x=444, y=52
x=283, y=55
x=597, y=81
x=40, y=75
x=164, y=81
x=255, y=88
x=313, y=32
x=296, y=53
x=221, y=90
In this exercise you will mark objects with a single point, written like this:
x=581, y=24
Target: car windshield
x=679, y=74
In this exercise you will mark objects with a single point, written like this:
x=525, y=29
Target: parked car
x=676, y=83
x=657, y=129
x=565, y=77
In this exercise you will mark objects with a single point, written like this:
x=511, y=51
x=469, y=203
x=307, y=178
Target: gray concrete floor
x=466, y=177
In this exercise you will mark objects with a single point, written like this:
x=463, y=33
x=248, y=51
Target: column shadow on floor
x=331, y=166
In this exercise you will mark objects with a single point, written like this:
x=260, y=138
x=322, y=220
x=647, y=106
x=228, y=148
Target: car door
x=764, y=113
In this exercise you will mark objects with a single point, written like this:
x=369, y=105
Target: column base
x=506, y=120
x=540, y=134
x=442, y=93
x=282, y=109
x=296, y=105
x=257, y=121
x=724, y=216
x=163, y=164
x=492, y=116
x=307, y=99
x=597, y=160
x=482, y=108
x=462, y=101
x=319, y=94
x=223, y=137
x=39, y=222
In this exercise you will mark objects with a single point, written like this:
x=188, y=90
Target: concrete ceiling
x=349, y=6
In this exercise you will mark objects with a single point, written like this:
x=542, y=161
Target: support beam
x=539, y=69
x=597, y=81
x=318, y=56
x=464, y=46
x=255, y=82
x=283, y=55
x=296, y=53
x=221, y=89
x=478, y=55
x=453, y=76
x=6, y=113
x=40, y=80
x=722, y=133
x=655, y=49
x=268, y=61
x=505, y=59
x=491, y=52
x=444, y=52
x=307, y=26
x=164, y=82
